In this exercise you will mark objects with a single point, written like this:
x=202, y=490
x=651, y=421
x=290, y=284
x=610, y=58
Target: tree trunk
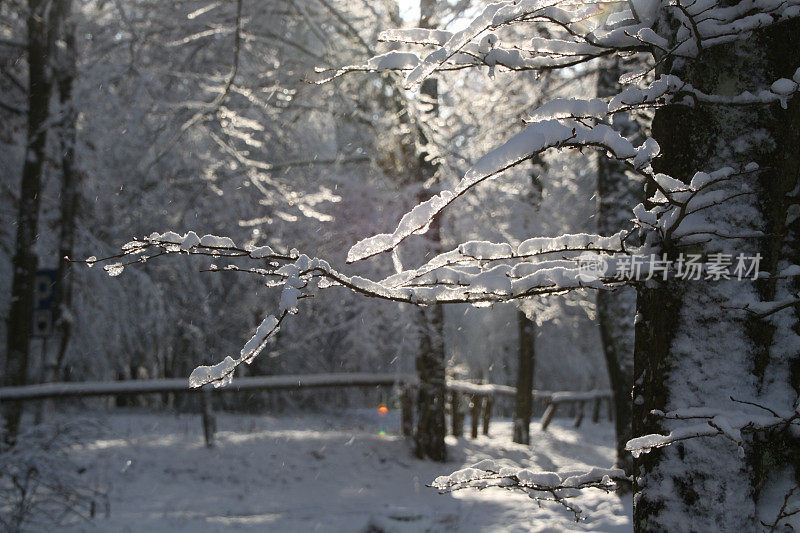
x=617, y=194
x=523, y=401
x=431, y=400
x=615, y=314
x=456, y=414
x=431, y=362
x=690, y=351
x=25, y=262
x=70, y=193
x=431, y=428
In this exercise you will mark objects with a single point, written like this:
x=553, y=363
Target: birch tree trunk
x=690, y=351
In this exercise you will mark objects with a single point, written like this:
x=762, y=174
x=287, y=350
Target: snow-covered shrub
x=40, y=486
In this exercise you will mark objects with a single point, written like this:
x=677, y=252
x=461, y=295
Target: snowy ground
x=324, y=473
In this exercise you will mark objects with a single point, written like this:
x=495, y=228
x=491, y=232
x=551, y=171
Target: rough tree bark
x=689, y=350
x=523, y=401
x=41, y=23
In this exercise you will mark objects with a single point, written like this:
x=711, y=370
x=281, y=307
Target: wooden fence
x=478, y=398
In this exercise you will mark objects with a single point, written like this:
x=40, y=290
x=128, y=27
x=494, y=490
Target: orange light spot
x=382, y=409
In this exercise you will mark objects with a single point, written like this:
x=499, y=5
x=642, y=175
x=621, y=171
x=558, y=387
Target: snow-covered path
x=325, y=473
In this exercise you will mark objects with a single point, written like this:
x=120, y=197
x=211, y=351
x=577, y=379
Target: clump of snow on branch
x=630, y=27
x=547, y=486
x=476, y=272
x=708, y=422
x=534, y=139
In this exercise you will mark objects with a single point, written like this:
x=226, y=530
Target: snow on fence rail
x=579, y=399
x=480, y=396
x=145, y=386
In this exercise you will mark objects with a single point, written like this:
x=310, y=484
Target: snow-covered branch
x=713, y=422
x=668, y=88
x=477, y=272
x=591, y=31
x=534, y=139
x=558, y=487
x=41, y=484
x=759, y=310
x=679, y=215
x=214, y=106
x=788, y=509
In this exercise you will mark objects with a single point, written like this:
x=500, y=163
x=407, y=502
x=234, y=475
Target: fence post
x=580, y=412
x=548, y=415
x=406, y=411
x=596, y=410
x=457, y=415
x=209, y=424
x=488, y=403
x=475, y=411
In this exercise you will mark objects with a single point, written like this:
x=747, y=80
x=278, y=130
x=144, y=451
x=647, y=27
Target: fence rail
x=479, y=397
x=147, y=386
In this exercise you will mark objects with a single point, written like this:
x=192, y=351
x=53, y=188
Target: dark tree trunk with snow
x=431, y=400
x=431, y=361
x=689, y=356
x=523, y=401
x=70, y=194
x=25, y=262
x=616, y=334
x=618, y=193
x=431, y=428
